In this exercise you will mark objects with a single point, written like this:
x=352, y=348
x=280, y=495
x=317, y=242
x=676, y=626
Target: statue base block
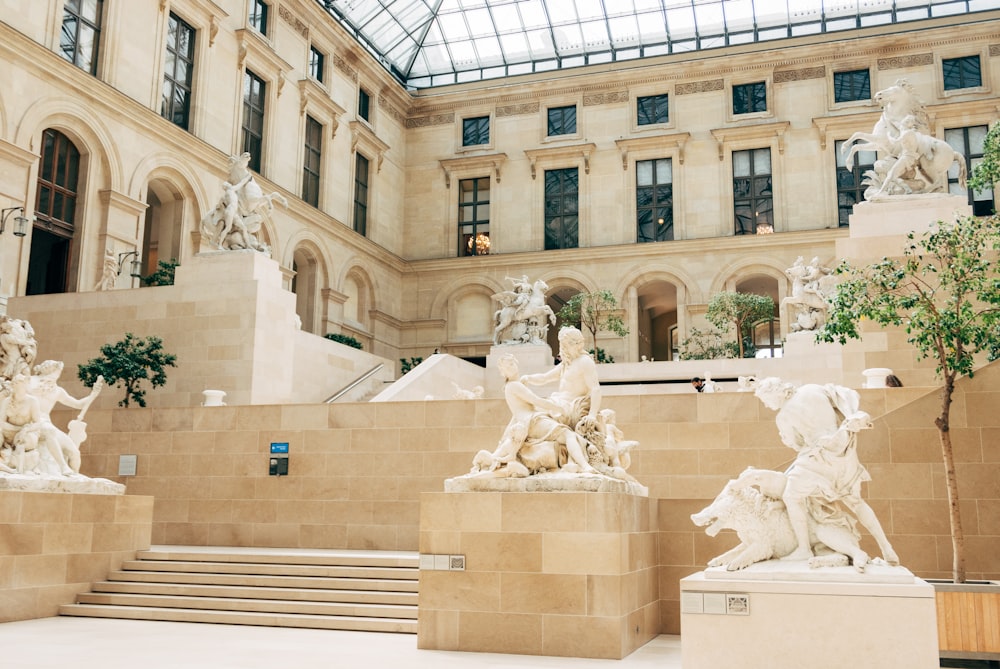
x=570, y=574
x=554, y=482
x=879, y=228
x=787, y=615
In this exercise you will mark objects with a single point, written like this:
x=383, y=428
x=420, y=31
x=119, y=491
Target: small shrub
x=164, y=274
x=707, y=345
x=347, y=340
x=406, y=365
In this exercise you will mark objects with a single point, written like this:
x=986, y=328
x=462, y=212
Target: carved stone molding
x=294, y=21
x=345, y=67
x=493, y=161
x=561, y=153
x=763, y=131
x=391, y=109
x=592, y=99
x=658, y=142
x=522, y=109
x=899, y=62
x=363, y=137
x=800, y=75
x=699, y=86
x=433, y=119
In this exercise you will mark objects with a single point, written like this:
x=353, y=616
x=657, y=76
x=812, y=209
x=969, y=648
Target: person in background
x=698, y=384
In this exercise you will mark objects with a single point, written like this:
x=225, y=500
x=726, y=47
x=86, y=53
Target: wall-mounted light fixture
x=20, y=222
x=135, y=267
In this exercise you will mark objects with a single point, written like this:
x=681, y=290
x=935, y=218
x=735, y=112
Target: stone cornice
x=748, y=132
x=492, y=161
x=678, y=139
x=561, y=152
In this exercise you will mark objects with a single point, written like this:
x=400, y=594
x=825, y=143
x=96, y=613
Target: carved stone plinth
x=76, y=484
x=787, y=615
x=569, y=574
x=554, y=482
x=879, y=229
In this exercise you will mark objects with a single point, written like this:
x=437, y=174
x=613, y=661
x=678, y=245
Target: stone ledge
x=554, y=482
x=77, y=484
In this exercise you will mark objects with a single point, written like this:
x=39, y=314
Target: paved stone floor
x=93, y=643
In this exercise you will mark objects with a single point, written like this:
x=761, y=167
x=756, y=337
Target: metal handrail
x=353, y=384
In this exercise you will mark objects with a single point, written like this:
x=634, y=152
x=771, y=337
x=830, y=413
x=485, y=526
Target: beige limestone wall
x=557, y=573
x=228, y=320
x=54, y=545
x=356, y=471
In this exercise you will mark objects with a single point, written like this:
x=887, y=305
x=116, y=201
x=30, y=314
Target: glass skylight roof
x=435, y=42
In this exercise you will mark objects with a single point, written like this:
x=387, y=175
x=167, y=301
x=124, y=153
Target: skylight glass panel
x=480, y=23
x=624, y=30
x=462, y=53
x=489, y=51
x=739, y=15
x=586, y=9
x=652, y=29
x=540, y=42
x=569, y=39
x=505, y=18
x=533, y=14
x=453, y=27
x=709, y=19
x=680, y=22
x=515, y=47
x=595, y=35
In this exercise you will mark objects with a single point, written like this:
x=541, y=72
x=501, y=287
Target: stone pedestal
x=570, y=574
x=531, y=359
x=879, y=228
x=760, y=619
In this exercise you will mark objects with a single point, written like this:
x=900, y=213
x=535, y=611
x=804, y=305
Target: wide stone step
x=252, y=568
x=251, y=592
x=284, y=556
x=241, y=618
x=276, y=581
x=234, y=604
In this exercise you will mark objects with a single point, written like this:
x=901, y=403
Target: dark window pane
x=562, y=120
x=961, y=73
x=561, y=204
x=364, y=101
x=361, y=194
x=750, y=98
x=476, y=131
x=474, y=216
x=652, y=109
x=752, y=195
x=80, y=35
x=253, y=118
x=850, y=86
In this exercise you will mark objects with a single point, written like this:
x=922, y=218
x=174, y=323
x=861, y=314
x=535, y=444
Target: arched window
x=55, y=214
x=767, y=338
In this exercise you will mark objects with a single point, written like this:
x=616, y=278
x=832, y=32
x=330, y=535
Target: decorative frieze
x=344, y=66
x=592, y=99
x=292, y=20
x=433, y=119
x=518, y=110
x=699, y=86
x=391, y=110
x=899, y=62
x=800, y=75
x=995, y=49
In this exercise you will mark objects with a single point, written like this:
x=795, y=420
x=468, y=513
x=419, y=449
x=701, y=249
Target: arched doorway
x=52, y=237
x=657, y=320
x=163, y=225
x=766, y=333
x=305, y=285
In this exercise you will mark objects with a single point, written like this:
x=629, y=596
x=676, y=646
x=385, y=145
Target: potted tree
x=945, y=292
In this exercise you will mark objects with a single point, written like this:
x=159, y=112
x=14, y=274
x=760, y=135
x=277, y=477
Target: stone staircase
x=372, y=591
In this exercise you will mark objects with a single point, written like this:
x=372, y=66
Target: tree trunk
x=948, y=457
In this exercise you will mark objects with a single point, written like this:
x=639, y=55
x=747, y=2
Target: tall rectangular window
x=258, y=16
x=654, y=200
x=652, y=109
x=562, y=209
x=81, y=33
x=361, y=194
x=178, y=72
x=750, y=98
x=850, y=189
x=562, y=120
x=963, y=72
x=970, y=142
x=311, y=162
x=317, y=63
x=476, y=131
x=851, y=86
x=753, y=202
x=474, y=217
x=253, y=118
x=364, y=104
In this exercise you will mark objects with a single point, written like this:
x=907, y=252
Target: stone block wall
x=357, y=470
x=54, y=545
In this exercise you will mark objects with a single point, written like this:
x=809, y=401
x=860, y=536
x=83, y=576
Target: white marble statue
x=817, y=499
x=812, y=287
x=109, y=272
x=241, y=211
x=567, y=432
x=909, y=160
x=467, y=394
x=18, y=347
x=523, y=317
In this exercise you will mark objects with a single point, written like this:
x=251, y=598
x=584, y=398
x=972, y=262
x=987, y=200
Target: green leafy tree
x=594, y=312
x=726, y=309
x=407, y=365
x=945, y=292
x=705, y=345
x=987, y=172
x=164, y=274
x=129, y=362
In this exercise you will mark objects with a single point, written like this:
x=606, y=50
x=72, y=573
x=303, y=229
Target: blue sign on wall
x=279, y=447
